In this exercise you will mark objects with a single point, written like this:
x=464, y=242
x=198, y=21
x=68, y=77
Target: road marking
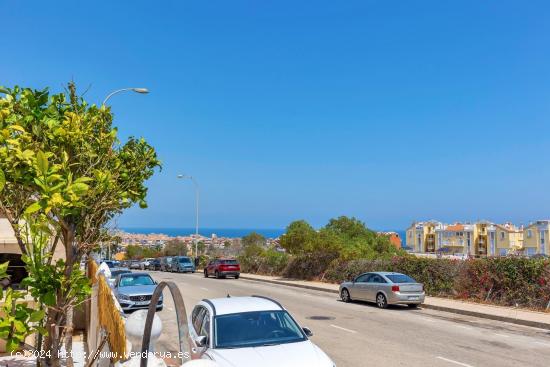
x=203, y=288
x=428, y=320
x=343, y=328
x=455, y=362
x=170, y=309
x=503, y=335
x=543, y=343
x=464, y=327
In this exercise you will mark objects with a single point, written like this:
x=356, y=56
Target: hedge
x=507, y=281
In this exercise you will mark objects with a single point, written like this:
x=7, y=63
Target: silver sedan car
x=384, y=288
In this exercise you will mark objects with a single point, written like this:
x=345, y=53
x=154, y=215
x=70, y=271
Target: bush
x=267, y=262
x=309, y=266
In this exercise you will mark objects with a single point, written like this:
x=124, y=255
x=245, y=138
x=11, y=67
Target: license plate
x=414, y=298
x=142, y=303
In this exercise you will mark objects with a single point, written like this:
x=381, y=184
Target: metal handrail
x=181, y=315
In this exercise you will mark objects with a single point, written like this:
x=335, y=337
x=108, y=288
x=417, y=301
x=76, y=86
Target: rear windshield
x=229, y=262
x=400, y=278
x=185, y=260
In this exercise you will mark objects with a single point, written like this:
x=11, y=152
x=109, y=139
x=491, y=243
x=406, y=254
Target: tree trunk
x=69, y=337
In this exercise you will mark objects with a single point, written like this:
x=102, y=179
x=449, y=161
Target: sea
x=223, y=232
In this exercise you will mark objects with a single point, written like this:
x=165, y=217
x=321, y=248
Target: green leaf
x=33, y=208
x=19, y=326
x=12, y=345
x=49, y=299
x=41, y=330
x=2, y=180
x=79, y=188
x=17, y=127
x=42, y=162
x=37, y=316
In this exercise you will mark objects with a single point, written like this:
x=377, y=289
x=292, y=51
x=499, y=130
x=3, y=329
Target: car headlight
x=124, y=297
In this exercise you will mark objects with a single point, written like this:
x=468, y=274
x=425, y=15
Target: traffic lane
x=355, y=332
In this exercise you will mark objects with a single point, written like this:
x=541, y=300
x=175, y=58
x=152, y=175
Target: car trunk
x=410, y=287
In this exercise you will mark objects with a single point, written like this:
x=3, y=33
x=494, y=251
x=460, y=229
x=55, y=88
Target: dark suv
x=221, y=268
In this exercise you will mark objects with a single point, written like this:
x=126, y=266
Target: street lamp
x=196, y=208
x=137, y=90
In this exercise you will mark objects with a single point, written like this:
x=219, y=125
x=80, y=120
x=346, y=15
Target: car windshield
x=253, y=329
x=115, y=273
x=400, y=278
x=185, y=260
x=131, y=280
x=228, y=262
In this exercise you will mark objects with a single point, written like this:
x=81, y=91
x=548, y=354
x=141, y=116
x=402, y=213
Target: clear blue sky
x=389, y=111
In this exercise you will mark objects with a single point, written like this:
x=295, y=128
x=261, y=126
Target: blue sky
x=389, y=111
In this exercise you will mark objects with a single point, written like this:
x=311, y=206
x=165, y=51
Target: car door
x=359, y=288
x=376, y=284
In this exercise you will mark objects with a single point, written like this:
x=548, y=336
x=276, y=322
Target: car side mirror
x=201, y=341
x=307, y=331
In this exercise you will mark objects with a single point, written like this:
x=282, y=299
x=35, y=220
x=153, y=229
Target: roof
x=455, y=227
x=228, y=305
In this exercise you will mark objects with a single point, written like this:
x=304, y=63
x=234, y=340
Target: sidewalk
x=506, y=314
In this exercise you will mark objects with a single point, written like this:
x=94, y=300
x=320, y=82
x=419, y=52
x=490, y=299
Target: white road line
x=343, y=328
x=428, y=320
x=503, y=335
x=543, y=343
x=464, y=327
x=455, y=362
x=203, y=288
x=170, y=309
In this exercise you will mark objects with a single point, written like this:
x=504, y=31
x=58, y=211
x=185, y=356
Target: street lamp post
x=137, y=90
x=196, y=209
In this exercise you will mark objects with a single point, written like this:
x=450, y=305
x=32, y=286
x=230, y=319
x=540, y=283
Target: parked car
x=165, y=263
x=109, y=263
x=135, y=290
x=154, y=264
x=115, y=272
x=251, y=332
x=135, y=264
x=221, y=268
x=145, y=263
x=182, y=264
x=384, y=288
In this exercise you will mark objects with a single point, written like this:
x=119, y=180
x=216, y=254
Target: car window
x=198, y=315
x=400, y=278
x=185, y=260
x=377, y=279
x=128, y=281
x=363, y=278
x=229, y=262
x=259, y=328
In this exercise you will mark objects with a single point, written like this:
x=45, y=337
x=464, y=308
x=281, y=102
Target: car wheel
x=344, y=295
x=237, y=276
x=159, y=308
x=217, y=275
x=381, y=301
x=413, y=305
x=205, y=273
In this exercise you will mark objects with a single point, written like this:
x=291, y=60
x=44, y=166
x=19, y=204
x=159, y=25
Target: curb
x=541, y=325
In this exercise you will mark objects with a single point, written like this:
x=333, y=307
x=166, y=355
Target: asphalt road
x=359, y=334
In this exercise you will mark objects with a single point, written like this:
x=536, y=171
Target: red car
x=222, y=268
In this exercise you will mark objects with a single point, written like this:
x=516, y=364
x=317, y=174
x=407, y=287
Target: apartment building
x=421, y=236
x=478, y=239
x=535, y=238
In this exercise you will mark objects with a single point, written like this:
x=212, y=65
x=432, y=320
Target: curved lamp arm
x=137, y=90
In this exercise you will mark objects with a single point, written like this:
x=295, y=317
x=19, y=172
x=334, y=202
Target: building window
x=502, y=236
x=541, y=233
x=502, y=252
x=529, y=233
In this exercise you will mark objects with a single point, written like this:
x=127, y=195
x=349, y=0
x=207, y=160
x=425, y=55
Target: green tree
x=60, y=157
x=253, y=239
x=175, y=248
x=299, y=237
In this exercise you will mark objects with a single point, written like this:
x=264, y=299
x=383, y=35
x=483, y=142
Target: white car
x=251, y=332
